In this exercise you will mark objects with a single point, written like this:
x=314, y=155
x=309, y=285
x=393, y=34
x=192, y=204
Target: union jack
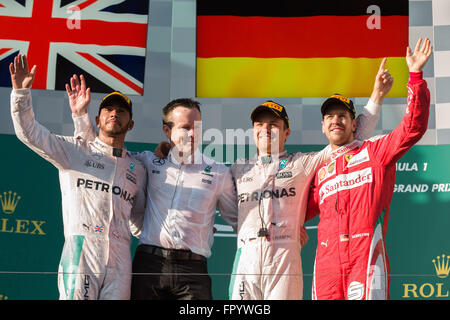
x=98, y=228
x=105, y=40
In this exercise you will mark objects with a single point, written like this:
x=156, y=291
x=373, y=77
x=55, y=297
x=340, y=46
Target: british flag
x=105, y=40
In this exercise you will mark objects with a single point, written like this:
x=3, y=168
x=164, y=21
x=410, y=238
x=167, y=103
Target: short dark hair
x=182, y=102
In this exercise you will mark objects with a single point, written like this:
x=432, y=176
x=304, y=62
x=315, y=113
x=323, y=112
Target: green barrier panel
x=31, y=231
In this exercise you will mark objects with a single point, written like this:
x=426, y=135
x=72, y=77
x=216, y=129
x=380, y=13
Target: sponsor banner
x=31, y=231
x=431, y=286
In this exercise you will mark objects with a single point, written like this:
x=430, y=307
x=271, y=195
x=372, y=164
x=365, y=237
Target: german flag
x=299, y=48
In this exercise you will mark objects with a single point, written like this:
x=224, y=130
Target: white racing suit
x=272, y=199
x=103, y=195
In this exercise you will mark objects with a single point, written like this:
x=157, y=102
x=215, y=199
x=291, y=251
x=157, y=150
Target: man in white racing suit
x=273, y=190
x=102, y=189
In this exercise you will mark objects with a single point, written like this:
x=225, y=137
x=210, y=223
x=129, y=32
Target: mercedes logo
x=158, y=161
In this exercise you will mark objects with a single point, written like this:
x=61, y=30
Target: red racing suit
x=353, y=192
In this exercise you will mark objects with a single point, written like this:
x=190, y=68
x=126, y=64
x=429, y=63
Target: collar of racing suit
x=115, y=152
x=198, y=158
x=270, y=158
x=345, y=148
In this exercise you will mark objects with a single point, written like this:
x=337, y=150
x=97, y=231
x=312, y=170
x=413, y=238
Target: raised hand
x=21, y=77
x=417, y=60
x=383, y=83
x=79, y=96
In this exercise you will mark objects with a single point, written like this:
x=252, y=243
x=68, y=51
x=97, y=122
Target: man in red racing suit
x=353, y=192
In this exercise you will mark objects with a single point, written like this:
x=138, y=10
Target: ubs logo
x=94, y=164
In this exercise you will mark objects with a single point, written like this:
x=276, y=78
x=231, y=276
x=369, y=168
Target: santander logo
x=344, y=182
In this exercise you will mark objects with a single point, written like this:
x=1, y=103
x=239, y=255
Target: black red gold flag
x=299, y=48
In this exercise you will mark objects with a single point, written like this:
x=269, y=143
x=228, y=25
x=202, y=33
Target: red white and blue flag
x=105, y=40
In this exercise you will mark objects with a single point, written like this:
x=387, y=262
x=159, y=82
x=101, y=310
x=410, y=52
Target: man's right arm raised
x=38, y=138
x=79, y=99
